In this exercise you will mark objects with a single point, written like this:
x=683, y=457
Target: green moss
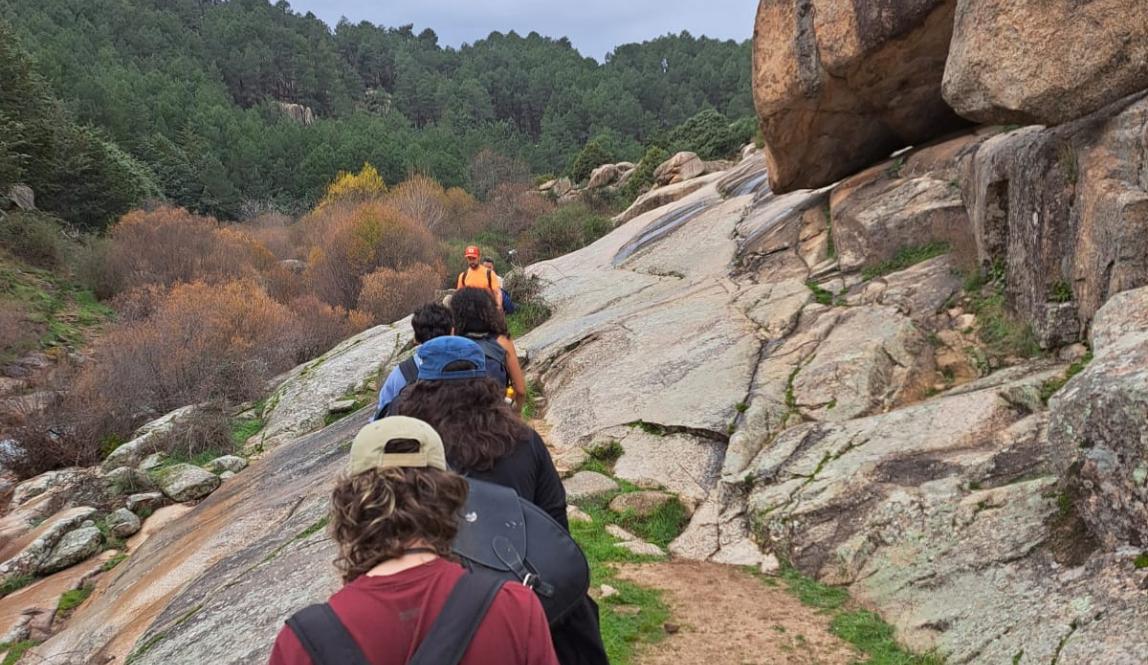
x=866, y=631
x=820, y=295
x=243, y=429
x=1001, y=331
x=70, y=600
x=608, y=452
x=1141, y=562
x=14, y=584
x=741, y=407
x=115, y=560
x=16, y=651
x=1061, y=292
x=1050, y=387
x=906, y=257
x=894, y=170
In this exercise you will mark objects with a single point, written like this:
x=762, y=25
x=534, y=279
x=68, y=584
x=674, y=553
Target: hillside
x=195, y=89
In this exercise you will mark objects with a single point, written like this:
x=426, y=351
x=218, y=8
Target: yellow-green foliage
x=362, y=186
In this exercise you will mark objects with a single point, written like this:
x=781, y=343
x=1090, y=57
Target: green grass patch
x=55, y=313
x=243, y=429
x=530, y=404
x=14, y=584
x=1061, y=292
x=111, y=541
x=1001, y=331
x=608, y=451
x=1141, y=562
x=863, y=629
x=70, y=600
x=114, y=561
x=526, y=317
x=905, y=258
x=16, y=651
x=820, y=295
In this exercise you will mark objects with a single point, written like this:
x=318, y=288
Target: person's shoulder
x=516, y=598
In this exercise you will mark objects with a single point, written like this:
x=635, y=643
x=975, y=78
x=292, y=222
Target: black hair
x=430, y=321
x=476, y=314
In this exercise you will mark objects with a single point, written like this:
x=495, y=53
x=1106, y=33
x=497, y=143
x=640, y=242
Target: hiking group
x=451, y=521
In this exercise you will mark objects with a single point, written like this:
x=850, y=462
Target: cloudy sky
x=594, y=26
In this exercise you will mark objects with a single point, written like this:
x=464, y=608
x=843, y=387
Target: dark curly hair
x=378, y=514
x=475, y=313
x=477, y=427
x=430, y=321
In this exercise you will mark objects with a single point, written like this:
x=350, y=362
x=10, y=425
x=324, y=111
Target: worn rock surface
x=186, y=482
x=76, y=546
x=840, y=85
x=1044, y=62
x=27, y=555
x=299, y=404
x=123, y=523
x=586, y=484
x=232, y=463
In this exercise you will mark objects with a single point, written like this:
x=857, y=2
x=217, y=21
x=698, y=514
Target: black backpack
x=328, y=642
x=495, y=359
x=507, y=535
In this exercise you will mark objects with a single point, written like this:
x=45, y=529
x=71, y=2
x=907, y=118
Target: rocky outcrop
x=1098, y=426
x=28, y=554
x=586, y=484
x=679, y=168
x=1044, y=62
x=146, y=440
x=299, y=405
x=22, y=197
x=1064, y=212
x=232, y=463
x=76, y=546
x=839, y=86
x=602, y=176
x=299, y=113
x=186, y=482
x=123, y=523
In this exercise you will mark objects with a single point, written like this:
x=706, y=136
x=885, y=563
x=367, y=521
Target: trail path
x=726, y=615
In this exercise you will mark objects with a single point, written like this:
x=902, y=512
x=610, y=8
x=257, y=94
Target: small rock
x=1073, y=353
x=342, y=406
x=626, y=610
x=74, y=547
x=770, y=565
x=152, y=462
x=227, y=475
x=186, y=482
x=575, y=514
x=607, y=591
x=123, y=523
x=671, y=628
x=232, y=463
x=956, y=313
x=620, y=533
x=642, y=548
x=149, y=501
x=642, y=504
x=586, y=484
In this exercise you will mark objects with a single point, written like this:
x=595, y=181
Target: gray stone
x=123, y=523
x=152, y=462
x=683, y=464
x=186, y=482
x=341, y=406
x=587, y=484
x=602, y=176
x=232, y=463
x=607, y=591
x=679, y=168
x=76, y=546
x=1098, y=424
x=575, y=514
x=146, y=440
x=60, y=480
x=227, y=475
x=22, y=197
x=299, y=404
x=620, y=533
x=30, y=559
x=641, y=548
x=147, y=501
x=641, y=504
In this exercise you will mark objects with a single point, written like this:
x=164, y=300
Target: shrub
x=421, y=199
x=389, y=295
x=643, y=177
x=319, y=327
x=34, y=237
x=348, y=187
x=513, y=209
x=206, y=432
x=590, y=157
x=358, y=240
x=489, y=169
x=707, y=133
x=168, y=245
x=568, y=228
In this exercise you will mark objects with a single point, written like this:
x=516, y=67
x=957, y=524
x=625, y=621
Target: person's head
x=454, y=395
x=475, y=313
x=472, y=256
x=488, y=262
x=430, y=321
x=398, y=495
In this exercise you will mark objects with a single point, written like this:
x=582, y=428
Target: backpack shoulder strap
x=410, y=370
x=489, y=279
x=454, y=628
x=324, y=637
x=462, y=279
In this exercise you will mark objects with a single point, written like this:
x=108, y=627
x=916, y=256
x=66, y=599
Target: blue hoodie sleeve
x=391, y=388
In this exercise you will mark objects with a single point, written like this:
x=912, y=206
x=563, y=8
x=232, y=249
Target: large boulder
x=602, y=176
x=679, y=168
x=147, y=439
x=840, y=85
x=74, y=547
x=1044, y=62
x=1064, y=211
x=123, y=523
x=28, y=554
x=299, y=405
x=186, y=482
x=1098, y=424
x=22, y=197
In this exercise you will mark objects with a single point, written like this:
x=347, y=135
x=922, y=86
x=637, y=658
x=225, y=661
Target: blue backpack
x=508, y=306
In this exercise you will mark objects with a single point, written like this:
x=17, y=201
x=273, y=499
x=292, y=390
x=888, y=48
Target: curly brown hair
x=476, y=313
x=378, y=514
x=477, y=426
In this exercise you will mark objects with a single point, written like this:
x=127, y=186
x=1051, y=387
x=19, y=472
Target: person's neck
x=404, y=562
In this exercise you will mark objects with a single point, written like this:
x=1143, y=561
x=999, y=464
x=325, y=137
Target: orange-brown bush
x=489, y=169
x=422, y=200
x=389, y=295
x=275, y=232
x=319, y=327
x=357, y=241
x=515, y=208
x=167, y=245
x=203, y=342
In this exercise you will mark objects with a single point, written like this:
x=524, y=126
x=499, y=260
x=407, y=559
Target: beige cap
x=369, y=446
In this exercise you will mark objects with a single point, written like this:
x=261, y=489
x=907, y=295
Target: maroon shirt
x=390, y=615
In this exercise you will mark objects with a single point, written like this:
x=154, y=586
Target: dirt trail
x=726, y=615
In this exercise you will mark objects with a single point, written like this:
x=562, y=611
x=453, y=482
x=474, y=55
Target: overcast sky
x=594, y=26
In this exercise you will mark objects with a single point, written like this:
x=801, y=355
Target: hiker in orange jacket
x=479, y=276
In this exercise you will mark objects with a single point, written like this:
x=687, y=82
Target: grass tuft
x=16, y=651
x=70, y=600
x=14, y=584
x=906, y=257
x=1141, y=562
x=820, y=295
